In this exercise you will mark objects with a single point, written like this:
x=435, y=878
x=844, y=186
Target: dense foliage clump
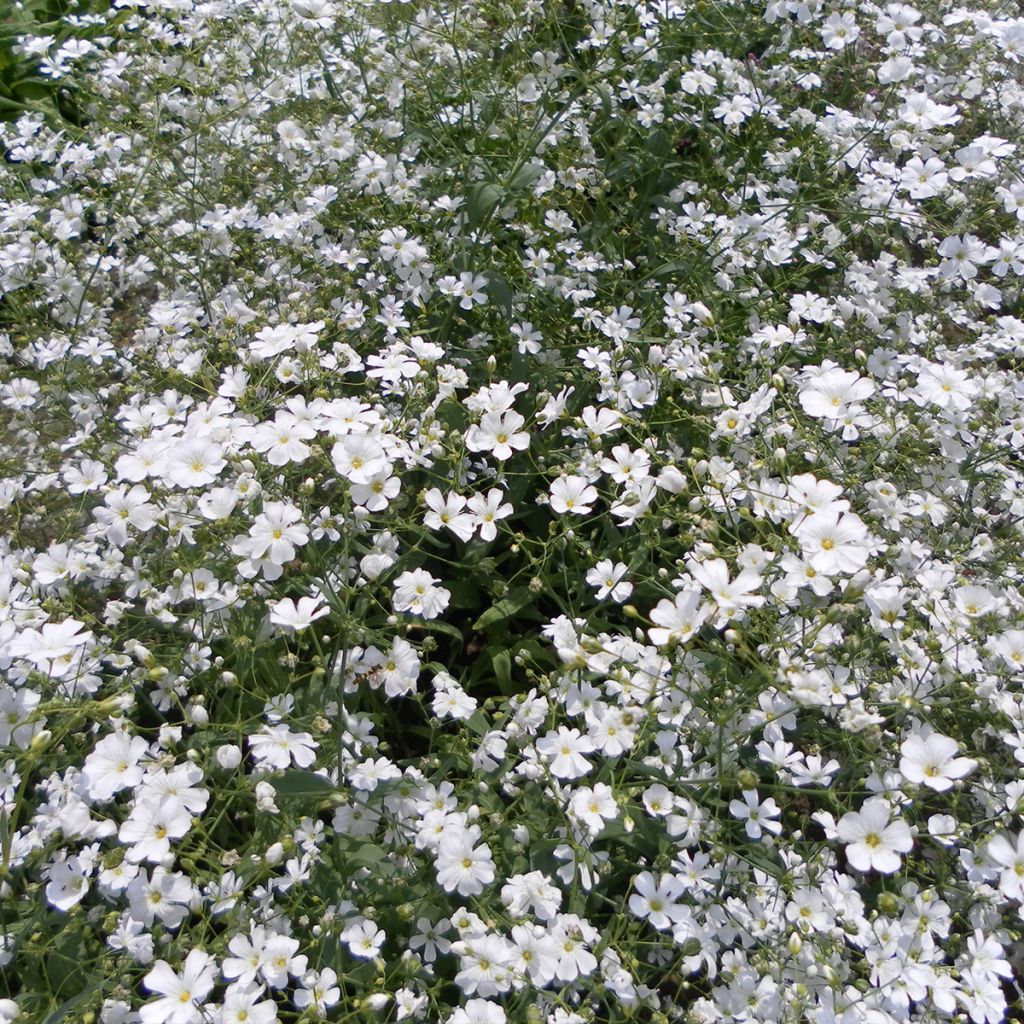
x=512, y=512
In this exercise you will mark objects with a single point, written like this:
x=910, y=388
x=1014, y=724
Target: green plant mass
x=511, y=511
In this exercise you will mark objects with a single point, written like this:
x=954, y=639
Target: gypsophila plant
x=513, y=512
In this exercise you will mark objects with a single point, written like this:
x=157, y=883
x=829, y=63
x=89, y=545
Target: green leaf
x=526, y=175
x=75, y=1001
x=63, y=961
x=370, y=855
x=483, y=198
x=478, y=723
x=32, y=89
x=673, y=267
x=438, y=626
x=501, y=660
x=500, y=292
x=517, y=599
x=464, y=594
x=299, y=784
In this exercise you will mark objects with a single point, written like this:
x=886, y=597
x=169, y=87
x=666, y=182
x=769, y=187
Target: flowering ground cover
x=513, y=511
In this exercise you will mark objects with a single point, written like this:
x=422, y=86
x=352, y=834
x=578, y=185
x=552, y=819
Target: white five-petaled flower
x=463, y=866
x=499, y=434
x=758, y=816
x=609, y=579
x=565, y=749
x=676, y=621
x=297, y=616
x=657, y=900
x=276, y=746
x=572, y=494
x=181, y=995
x=932, y=761
x=874, y=839
x=417, y=592
x=730, y=596
x=1009, y=856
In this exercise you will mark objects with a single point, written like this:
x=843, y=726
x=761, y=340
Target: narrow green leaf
x=518, y=599
x=438, y=626
x=75, y=1002
x=501, y=660
x=298, y=784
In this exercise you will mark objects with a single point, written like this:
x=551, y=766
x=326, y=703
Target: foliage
x=513, y=511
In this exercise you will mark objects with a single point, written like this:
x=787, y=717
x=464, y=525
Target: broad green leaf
x=478, y=723
x=483, y=197
x=370, y=855
x=526, y=175
x=500, y=291
x=464, y=594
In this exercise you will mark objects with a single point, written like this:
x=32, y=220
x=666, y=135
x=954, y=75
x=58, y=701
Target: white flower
x=758, y=816
x=1009, y=856
x=276, y=746
x=477, y=1011
x=609, y=579
x=676, y=621
x=364, y=938
x=830, y=394
x=730, y=597
x=873, y=839
x=182, y=995
x=416, y=592
x=52, y=648
x=195, y=463
x=946, y=386
x=932, y=761
x=484, y=962
x=572, y=494
x=834, y=544
x=113, y=765
x=839, y=30
x=463, y=867
x=68, y=883
x=297, y=616
x=488, y=509
x=657, y=901
x=499, y=434
x=359, y=458
x=151, y=826
x=564, y=749
x=594, y=806
x=447, y=510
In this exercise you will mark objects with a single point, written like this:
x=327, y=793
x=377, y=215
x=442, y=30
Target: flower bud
x=229, y=756
x=40, y=741
x=889, y=903
x=197, y=714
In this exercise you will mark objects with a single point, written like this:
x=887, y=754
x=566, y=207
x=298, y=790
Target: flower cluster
x=514, y=512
